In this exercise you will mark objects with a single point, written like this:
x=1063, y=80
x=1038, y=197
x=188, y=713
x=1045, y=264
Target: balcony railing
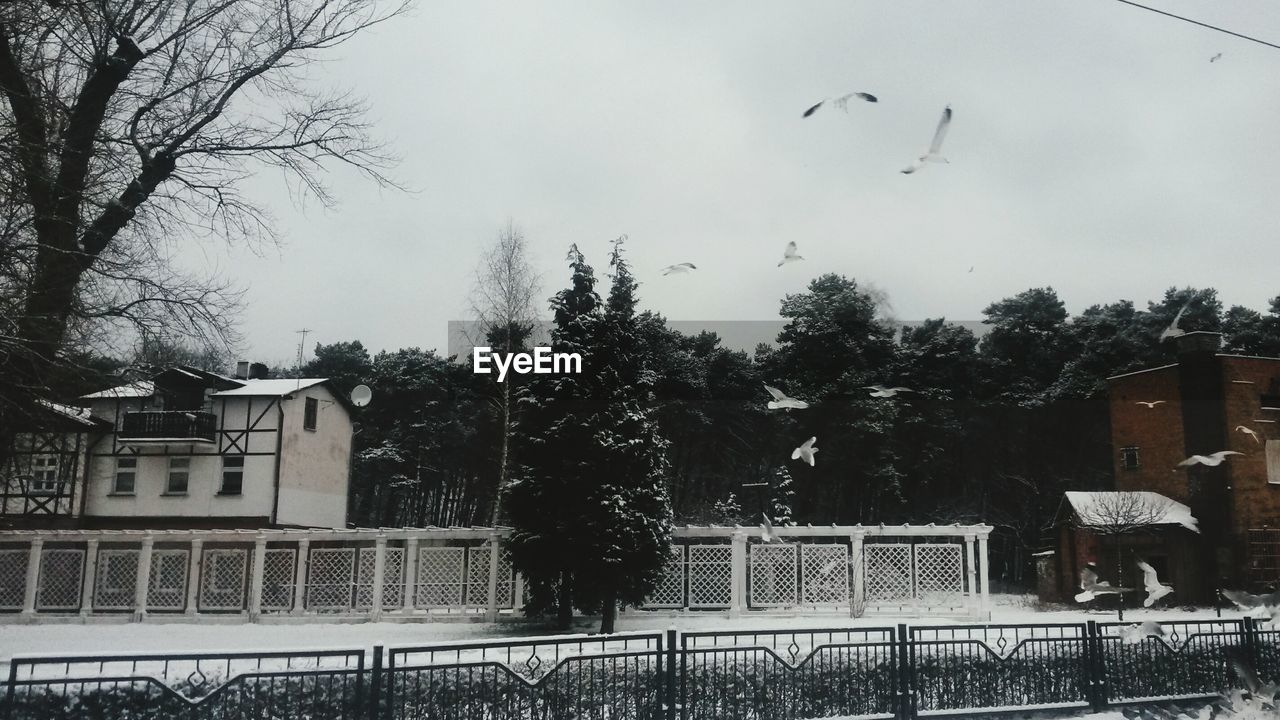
x=169, y=425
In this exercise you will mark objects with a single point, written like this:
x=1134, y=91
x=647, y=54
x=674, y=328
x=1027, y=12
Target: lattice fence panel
x=825, y=575
x=167, y=588
x=13, y=578
x=710, y=576
x=277, y=578
x=331, y=578
x=773, y=575
x=440, y=577
x=222, y=582
x=116, y=580
x=392, y=578
x=888, y=572
x=669, y=592
x=61, y=572
x=478, y=578
x=940, y=574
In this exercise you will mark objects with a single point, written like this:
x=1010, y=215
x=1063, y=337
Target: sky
x=1093, y=148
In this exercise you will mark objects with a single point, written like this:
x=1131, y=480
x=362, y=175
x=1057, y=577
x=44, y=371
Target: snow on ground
x=74, y=638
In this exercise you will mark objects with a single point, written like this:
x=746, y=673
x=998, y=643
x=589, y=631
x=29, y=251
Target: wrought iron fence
x=869, y=672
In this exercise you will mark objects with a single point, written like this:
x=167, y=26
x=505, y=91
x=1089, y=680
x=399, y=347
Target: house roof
x=142, y=388
x=1092, y=508
x=276, y=387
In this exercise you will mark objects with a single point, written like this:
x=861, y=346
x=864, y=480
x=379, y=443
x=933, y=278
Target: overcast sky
x=1094, y=148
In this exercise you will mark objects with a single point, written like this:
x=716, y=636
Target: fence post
x=375, y=685
x=858, y=598
x=670, y=697
x=906, y=705
x=33, y=578
x=971, y=577
x=90, y=576
x=737, y=573
x=379, y=570
x=495, y=555
x=255, y=577
x=300, y=577
x=193, y=576
x=984, y=557
x=142, y=584
x=1096, y=668
x=410, y=574
x=1249, y=639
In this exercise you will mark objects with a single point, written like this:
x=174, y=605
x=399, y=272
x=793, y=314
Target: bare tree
x=503, y=303
x=128, y=125
x=1114, y=515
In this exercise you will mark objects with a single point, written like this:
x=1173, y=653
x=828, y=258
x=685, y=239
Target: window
x=232, y=475
x=1273, y=462
x=44, y=474
x=126, y=476
x=179, y=473
x=309, y=414
x=1129, y=458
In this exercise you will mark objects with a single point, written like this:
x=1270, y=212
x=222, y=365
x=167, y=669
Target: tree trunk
x=564, y=616
x=502, y=458
x=608, y=612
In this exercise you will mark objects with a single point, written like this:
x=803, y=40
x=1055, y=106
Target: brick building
x=1201, y=402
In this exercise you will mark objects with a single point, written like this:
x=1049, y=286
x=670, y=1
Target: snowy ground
x=95, y=638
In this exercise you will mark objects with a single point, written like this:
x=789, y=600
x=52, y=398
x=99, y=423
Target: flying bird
x=789, y=255
x=805, y=452
x=842, y=102
x=766, y=529
x=881, y=391
x=1249, y=677
x=1268, y=604
x=935, y=147
x=1151, y=583
x=1250, y=432
x=1150, y=404
x=679, y=268
x=1093, y=587
x=1212, y=459
x=1173, y=330
x=1215, y=57
x=781, y=401
x=1136, y=633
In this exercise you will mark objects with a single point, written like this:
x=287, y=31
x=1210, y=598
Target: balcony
x=168, y=426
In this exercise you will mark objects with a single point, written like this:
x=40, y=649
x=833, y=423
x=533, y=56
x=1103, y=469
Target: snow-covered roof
x=276, y=387
x=75, y=414
x=1093, y=508
x=142, y=388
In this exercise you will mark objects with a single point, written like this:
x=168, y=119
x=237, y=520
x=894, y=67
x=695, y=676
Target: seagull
x=1136, y=633
x=1252, y=683
x=1173, y=330
x=780, y=400
x=679, y=268
x=1250, y=432
x=789, y=255
x=1215, y=57
x=1151, y=583
x=1151, y=403
x=1268, y=604
x=766, y=529
x=931, y=155
x=1212, y=459
x=842, y=102
x=881, y=391
x=805, y=452
x=1093, y=587
x=970, y=268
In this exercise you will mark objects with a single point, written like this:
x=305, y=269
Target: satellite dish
x=361, y=395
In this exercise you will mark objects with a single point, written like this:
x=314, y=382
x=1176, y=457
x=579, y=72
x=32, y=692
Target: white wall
x=314, y=471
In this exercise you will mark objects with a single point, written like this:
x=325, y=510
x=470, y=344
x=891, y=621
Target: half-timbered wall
x=44, y=475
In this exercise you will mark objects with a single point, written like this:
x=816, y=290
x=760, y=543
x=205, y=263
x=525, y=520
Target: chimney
x=1199, y=342
x=242, y=370
x=258, y=371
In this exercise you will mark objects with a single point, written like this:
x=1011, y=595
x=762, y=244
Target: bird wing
x=1150, y=580
x=790, y=251
x=1193, y=460
x=808, y=444
x=1246, y=675
x=1178, y=317
x=795, y=454
x=776, y=393
x=1222, y=454
x=941, y=132
x=1088, y=578
x=813, y=109
x=867, y=96
x=1242, y=598
x=901, y=389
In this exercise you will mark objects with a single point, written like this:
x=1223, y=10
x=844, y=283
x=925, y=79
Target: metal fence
x=870, y=672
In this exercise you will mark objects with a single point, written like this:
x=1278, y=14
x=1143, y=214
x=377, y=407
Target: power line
x=1203, y=25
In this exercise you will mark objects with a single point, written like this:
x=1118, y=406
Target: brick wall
x=1157, y=432
x=1255, y=502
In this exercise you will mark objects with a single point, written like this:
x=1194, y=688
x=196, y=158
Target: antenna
x=302, y=343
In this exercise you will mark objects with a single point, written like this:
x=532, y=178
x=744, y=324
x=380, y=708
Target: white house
x=193, y=449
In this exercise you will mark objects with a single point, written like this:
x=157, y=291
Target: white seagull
x=1212, y=459
x=781, y=401
x=805, y=452
x=935, y=147
x=1252, y=683
x=789, y=255
x=1151, y=583
x=1150, y=404
x=1250, y=432
x=766, y=529
x=1134, y=634
x=1268, y=604
x=679, y=268
x=1215, y=57
x=881, y=391
x=1173, y=330
x=842, y=102
x=1093, y=587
